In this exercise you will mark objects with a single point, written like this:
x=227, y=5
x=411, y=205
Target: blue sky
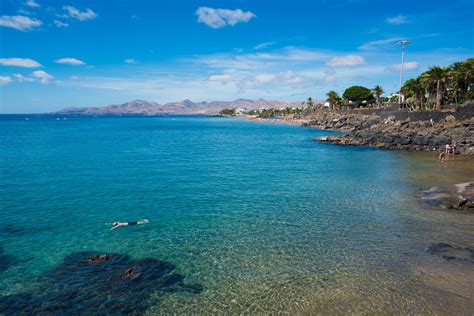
x=56, y=54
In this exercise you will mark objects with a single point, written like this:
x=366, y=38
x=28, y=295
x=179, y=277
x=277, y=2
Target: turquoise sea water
x=264, y=218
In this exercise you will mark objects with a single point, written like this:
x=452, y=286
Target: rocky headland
x=412, y=131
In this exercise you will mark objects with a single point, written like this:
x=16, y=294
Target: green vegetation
x=275, y=112
x=310, y=103
x=441, y=85
x=435, y=80
x=270, y=112
x=358, y=94
x=414, y=93
x=228, y=112
x=334, y=99
x=378, y=91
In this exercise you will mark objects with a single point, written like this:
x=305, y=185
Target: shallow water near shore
x=261, y=216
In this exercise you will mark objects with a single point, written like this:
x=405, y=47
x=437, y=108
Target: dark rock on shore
x=5, y=260
x=414, y=131
x=457, y=197
x=99, y=284
x=450, y=252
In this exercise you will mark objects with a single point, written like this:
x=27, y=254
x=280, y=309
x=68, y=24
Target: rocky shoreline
x=412, y=131
x=400, y=130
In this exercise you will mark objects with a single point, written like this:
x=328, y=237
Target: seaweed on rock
x=99, y=284
x=450, y=252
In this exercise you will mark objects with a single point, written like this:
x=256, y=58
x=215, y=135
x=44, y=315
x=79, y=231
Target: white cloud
x=42, y=76
x=19, y=22
x=5, y=80
x=260, y=61
x=221, y=78
x=283, y=77
x=217, y=18
x=60, y=23
x=38, y=75
x=408, y=66
x=263, y=45
x=79, y=15
x=20, y=62
x=299, y=72
x=22, y=78
x=22, y=11
x=329, y=79
x=380, y=43
x=69, y=61
x=399, y=19
x=290, y=77
x=130, y=61
x=31, y=4
x=265, y=78
x=346, y=61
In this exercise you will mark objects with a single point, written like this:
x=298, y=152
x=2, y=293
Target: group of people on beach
x=449, y=149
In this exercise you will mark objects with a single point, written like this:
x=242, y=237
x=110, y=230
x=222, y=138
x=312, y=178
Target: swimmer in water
x=442, y=157
x=120, y=224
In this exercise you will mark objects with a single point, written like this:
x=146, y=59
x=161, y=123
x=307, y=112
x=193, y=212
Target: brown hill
x=142, y=107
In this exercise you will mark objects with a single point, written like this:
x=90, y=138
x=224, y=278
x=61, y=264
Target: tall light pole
x=402, y=44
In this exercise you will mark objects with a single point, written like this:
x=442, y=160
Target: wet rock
x=466, y=123
x=449, y=252
x=427, y=131
x=450, y=118
x=458, y=197
x=99, y=284
x=470, y=151
x=440, y=140
x=5, y=260
x=99, y=258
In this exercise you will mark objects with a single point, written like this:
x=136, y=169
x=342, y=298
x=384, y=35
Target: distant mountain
x=142, y=107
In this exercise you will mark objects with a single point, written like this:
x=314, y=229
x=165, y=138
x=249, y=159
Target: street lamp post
x=402, y=44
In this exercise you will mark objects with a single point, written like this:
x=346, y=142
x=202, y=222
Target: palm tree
x=435, y=80
x=461, y=75
x=378, y=91
x=333, y=98
x=413, y=87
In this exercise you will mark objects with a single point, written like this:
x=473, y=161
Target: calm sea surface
x=264, y=218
